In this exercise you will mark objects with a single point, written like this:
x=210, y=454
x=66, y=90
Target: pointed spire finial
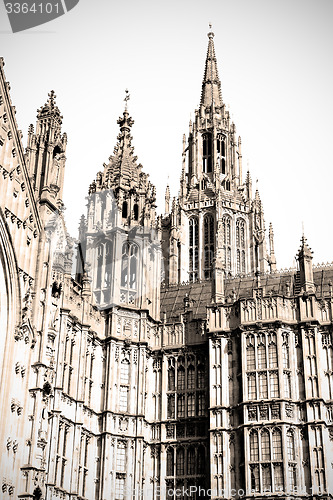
x=127, y=98
x=210, y=34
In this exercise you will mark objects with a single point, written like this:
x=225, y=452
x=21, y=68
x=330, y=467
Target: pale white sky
x=275, y=65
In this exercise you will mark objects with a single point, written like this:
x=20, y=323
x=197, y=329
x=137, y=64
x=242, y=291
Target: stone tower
x=215, y=226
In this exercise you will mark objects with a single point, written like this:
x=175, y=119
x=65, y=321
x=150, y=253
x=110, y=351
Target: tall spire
x=211, y=85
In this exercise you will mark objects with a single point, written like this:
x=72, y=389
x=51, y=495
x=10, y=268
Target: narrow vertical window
x=191, y=405
x=124, y=210
x=266, y=478
x=250, y=355
x=277, y=444
x=136, y=211
x=99, y=266
x=191, y=461
x=133, y=266
x=129, y=266
x=240, y=245
x=251, y=386
x=255, y=482
x=272, y=355
x=181, y=378
x=221, y=152
x=180, y=462
x=207, y=153
x=190, y=377
x=290, y=446
x=170, y=462
x=274, y=385
x=226, y=232
x=124, y=265
x=278, y=477
x=254, y=447
x=263, y=392
x=209, y=237
x=171, y=379
x=201, y=460
x=193, y=249
x=261, y=356
x=265, y=446
x=180, y=405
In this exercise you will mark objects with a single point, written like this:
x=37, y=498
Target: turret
x=304, y=258
x=46, y=154
x=122, y=235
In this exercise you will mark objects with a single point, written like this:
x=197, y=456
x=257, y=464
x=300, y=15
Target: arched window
x=207, y=152
x=180, y=462
x=254, y=447
x=181, y=378
x=190, y=461
x=108, y=264
x=226, y=233
x=240, y=245
x=129, y=264
x=181, y=405
x=171, y=379
x=191, y=404
x=221, y=151
x=261, y=356
x=193, y=249
x=104, y=272
x=265, y=445
x=136, y=211
x=209, y=237
x=133, y=254
x=201, y=459
x=272, y=355
x=201, y=377
x=277, y=444
x=124, y=211
x=290, y=445
x=191, y=377
x=170, y=462
x=99, y=265
x=263, y=388
x=250, y=354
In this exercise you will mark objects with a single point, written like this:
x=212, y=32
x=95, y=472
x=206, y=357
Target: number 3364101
x=35, y=8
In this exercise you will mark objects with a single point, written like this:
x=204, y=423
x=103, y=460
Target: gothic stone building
x=156, y=356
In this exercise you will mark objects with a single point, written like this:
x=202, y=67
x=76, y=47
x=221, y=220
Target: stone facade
x=156, y=356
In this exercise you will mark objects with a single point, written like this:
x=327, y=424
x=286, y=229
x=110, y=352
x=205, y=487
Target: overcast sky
x=275, y=65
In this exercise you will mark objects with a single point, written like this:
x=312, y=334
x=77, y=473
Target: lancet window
x=221, y=152
x=193, y=249
x=129, y=266
x=209, y=237
x=207, y=153
x=240, y=246
x=104, y=272
x=226, y=233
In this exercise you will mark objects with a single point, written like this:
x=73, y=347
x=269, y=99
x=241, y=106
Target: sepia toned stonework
x=156, y=356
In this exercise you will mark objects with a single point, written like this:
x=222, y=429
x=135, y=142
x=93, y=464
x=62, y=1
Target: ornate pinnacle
x=51, y=101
